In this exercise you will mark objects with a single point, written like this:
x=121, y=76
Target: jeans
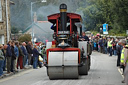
x=4, y=66
x=24, y=60
x=110, y=51
x=1, y=67
x=35, y=62
x=44, y=60
x=105, y=50
x=115, y=52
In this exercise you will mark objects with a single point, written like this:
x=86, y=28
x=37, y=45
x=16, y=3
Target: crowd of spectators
x=15, y=56
x=105, y=45
x=112, y=47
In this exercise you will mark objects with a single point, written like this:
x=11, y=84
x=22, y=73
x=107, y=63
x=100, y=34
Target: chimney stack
x=35, y=17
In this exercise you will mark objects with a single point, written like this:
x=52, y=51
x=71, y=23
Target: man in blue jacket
x=8, y=56
x=24, y=50
x=35, y=56
x=16, y=50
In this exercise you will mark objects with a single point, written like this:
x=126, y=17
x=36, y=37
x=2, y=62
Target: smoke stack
x=35, y=17
x=63, y=17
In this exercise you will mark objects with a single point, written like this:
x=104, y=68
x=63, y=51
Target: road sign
x=105, y=28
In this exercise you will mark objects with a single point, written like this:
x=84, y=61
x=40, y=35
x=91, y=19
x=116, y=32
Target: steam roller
x=68, y=56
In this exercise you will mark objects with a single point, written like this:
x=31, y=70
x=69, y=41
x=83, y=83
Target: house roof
x=42, y=25
x=41, y=30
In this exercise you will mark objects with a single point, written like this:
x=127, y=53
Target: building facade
x=5, y=29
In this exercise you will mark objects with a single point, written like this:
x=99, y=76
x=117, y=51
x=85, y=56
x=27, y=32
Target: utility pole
x=32, y=18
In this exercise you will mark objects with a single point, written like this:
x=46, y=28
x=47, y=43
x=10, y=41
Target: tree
x=14, y=30
x=25, y=38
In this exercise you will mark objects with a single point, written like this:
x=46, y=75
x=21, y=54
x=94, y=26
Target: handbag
x=40, y=59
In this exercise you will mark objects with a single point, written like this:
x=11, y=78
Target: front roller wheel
x=60, y=72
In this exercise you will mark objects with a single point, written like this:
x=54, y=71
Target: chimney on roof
x=12, y=3
x=35, y=17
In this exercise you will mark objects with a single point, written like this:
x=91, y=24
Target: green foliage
x=94, y=13
x=112, y=12
x=14, y=30
x=25, y=38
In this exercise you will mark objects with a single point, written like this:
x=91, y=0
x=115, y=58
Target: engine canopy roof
x=75, y=17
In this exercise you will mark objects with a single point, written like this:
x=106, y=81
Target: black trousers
x=118, y=59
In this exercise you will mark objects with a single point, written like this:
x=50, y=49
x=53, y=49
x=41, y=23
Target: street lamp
x=43, y=1
x=32, y=17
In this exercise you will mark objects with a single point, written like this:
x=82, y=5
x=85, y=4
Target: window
x=0, y=12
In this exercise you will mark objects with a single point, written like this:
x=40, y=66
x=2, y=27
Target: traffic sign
x=105, y=28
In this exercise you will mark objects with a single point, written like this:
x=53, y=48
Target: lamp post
x=32, y=17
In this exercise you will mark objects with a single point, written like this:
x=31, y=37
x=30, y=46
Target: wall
x=3, y=23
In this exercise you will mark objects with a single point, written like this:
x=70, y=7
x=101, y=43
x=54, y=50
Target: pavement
x=5, y=74
x=103, y=71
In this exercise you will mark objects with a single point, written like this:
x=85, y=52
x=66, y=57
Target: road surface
x=103, y=72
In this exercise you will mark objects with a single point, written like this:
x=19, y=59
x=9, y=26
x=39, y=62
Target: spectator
x=4, y=51
x=96, y=43
x=84, y=37
x=126, y=64
x=20, y=58
x=24, y=50
x=29, y=50
x=39, y=48
x=1, y=60
x=118, y=49
x=101, y=45
x=16, y=50
x=114, y=48
x=123, y=43
x=9, y=56
x=44, y=54
x=13, y=56
x=95, y=46
x=105, y=45
x=110, y=46
x=35, y=57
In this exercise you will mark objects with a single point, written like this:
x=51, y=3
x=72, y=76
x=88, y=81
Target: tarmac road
x=103, y=72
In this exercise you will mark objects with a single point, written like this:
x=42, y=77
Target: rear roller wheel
x=83, y=70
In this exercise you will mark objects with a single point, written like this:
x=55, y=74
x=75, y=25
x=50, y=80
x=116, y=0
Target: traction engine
x=68, y=57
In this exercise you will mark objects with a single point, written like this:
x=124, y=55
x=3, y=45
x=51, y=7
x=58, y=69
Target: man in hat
x=126, y=64
x=123, y=55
